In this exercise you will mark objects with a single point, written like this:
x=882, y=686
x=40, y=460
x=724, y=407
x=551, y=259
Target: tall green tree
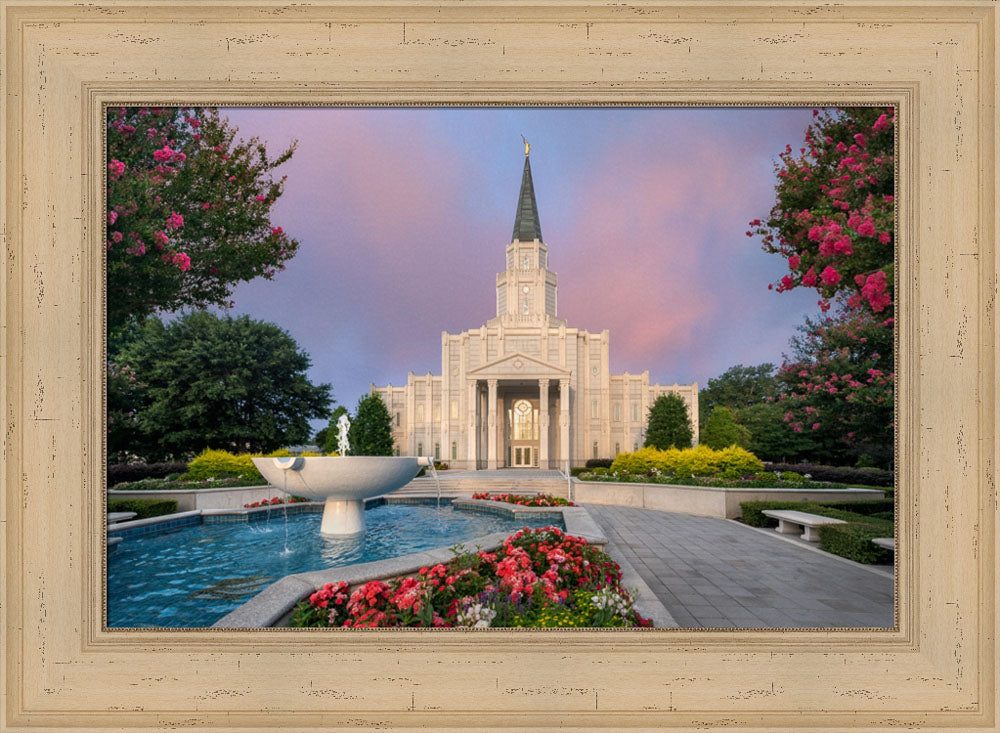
x=721, y=430
x=668, y=423
x=371, y=430
x=771, y=438
x=189, y=211
x=331, y=438
x=218, y=382
x=737, y=387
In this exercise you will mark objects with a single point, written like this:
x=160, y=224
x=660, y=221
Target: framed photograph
x=604, y=78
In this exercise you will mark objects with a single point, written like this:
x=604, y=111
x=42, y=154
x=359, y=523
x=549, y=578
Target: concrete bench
x=120, y=516
x=887, y=542
x=790, y=521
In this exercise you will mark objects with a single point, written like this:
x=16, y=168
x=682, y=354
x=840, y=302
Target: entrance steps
x=466, y=485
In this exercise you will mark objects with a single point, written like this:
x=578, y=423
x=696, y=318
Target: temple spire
x=526, y=224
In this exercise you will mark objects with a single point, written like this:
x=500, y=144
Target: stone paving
x=719, y=573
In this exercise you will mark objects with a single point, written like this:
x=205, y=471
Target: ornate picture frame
x=62, y=63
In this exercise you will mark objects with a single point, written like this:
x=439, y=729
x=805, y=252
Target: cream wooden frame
x=63, y=61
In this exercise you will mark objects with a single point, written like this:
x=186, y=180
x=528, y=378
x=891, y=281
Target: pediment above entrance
x=518, y=366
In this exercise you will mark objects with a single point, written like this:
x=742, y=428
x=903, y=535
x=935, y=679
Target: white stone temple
x=524, y=389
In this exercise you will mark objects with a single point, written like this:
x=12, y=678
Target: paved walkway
x=719, y=573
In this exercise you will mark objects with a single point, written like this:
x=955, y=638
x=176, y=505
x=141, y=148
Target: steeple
x=526, y=224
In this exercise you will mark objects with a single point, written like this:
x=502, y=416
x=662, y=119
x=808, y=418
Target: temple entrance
x=522, y=422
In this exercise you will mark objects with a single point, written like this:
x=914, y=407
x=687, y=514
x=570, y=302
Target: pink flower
x=175, y=220
x=830, y=276
x=861, y=140
x=881, y=123
x=815, y=426
x=260, y=198
x=112, y=217
x=116, y=237
x=115, y=169
x=182, y=261
x=884, y=238
x=809, y=279
x=160, y=239
x=164, y=155
x=867, y=228
x=793, y=262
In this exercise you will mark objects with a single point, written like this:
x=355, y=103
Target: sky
x=403, y=217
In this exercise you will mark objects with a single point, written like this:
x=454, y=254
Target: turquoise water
x=195, y=575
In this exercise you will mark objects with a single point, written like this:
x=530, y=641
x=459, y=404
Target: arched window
x=524, y=421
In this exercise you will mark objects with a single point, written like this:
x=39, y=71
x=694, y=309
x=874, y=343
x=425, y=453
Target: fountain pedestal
x=343, y=518
x=343, y=482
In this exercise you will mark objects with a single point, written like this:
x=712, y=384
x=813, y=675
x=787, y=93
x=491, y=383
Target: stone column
x=473, y=432
x=491, y=411
x=543, y=423
x=564, y=423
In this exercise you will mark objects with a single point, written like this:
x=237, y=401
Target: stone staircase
x=466, y=485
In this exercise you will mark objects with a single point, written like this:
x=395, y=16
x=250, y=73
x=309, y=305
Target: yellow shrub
x=738, y=460
x=698, y=461
x=639, y=461
x=310, y=454
x=218, y=464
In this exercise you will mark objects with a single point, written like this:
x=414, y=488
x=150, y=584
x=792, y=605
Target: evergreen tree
x=669, y=423
x=371, y=431
x=722, y=431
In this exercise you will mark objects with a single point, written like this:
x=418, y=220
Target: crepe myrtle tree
x=205, y=381
x=188, y=212
x=669, y=424
x=371, y=430
x=833, y=217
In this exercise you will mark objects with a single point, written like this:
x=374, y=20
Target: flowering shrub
x=538, y=578
x=274, y=500
x=525, y=500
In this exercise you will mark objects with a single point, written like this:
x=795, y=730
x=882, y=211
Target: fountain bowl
x=343, y=482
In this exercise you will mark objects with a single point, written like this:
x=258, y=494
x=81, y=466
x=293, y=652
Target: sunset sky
x=643, y=211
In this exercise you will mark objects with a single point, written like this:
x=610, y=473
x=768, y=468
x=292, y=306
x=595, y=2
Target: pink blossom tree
x=833, y=223
x=188, y=212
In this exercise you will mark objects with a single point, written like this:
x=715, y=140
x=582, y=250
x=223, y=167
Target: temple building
x=524, y=389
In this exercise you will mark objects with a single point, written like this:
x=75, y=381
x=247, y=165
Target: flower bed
x=525, y=499
x=538, y=578
x=274, y=500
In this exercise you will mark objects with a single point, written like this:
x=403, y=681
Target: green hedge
x=854, y=541
x=867, y=507
x=144, y=508
x=753, y=511
x=577, y=470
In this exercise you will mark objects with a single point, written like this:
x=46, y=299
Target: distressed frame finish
x=63, y=62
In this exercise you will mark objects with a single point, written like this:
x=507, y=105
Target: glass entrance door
x=522, y=426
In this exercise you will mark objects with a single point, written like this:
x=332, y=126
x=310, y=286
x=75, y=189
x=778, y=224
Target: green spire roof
x=526, y=224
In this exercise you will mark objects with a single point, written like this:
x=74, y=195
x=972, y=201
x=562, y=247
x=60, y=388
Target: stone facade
x=524, y=389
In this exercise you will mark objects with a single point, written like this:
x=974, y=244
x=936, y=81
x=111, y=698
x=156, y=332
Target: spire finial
x=527, y=146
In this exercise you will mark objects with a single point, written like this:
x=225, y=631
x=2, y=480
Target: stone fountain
x=343, y=482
